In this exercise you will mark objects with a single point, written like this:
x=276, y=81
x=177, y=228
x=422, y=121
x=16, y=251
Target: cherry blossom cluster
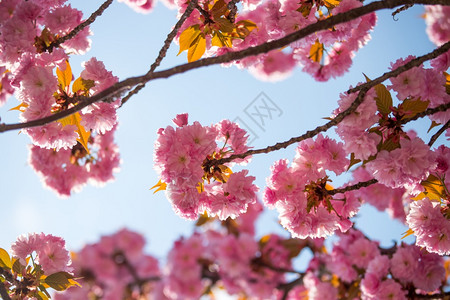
x=28, y=28
x=59, y=154
x=383, y=198
x=372, y=272
x=50, y=251
x=68, y=170
x=113, y=268
x=38, y=261
x=181, y=158
x=324, y=55
x=299, y=192
x=116, y=267
x=241, y=264
x=35, y=68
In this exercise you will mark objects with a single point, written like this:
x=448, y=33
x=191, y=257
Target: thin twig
x=308, y=134
x=80, y=26
x=356, y=186
x=429, y=111
x=233, y=10
x=287, y=287
x=398, y=10
x=165, y=47
x=341, y=116
x=231, y=56
x=412, y=63
x=437, y=134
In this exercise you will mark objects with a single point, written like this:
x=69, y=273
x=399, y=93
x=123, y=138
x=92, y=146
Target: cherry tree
x=205, y=170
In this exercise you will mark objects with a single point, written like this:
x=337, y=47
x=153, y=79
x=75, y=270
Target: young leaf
x=224, y=24
x=407, y=233
x=294, y=246
x=383, y=99
x=412, y=107
x=220, y=40
x=42, y=296
x=17, y=267
x=196, y=51
x=244, y=27
x=353, y=161
x=316, y=52
x=160, y=186
x=60, y=281
x=447, y=82
x=433, y=124
x=331, y=3
x=83, y=134
x=5, y=260
x=83, y=85
x=219, y=9
x=305, y=9
x=21, y=107
x=64, y=77
x=200, y=187
x=434, y=189
x=187, y=37
x=203, y=219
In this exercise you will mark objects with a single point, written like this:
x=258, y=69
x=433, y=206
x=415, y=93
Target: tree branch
x=441, y=296
x=362, y=88
x=81, y=26
x=163, y=51
x=287, y=287
x=409, y=65
x=127, y=84
x=429, y=111
x=356, y=186
x=437, y=134
x=3, y=292
x=233, y=10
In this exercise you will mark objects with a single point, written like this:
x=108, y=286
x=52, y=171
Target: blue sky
x=128, y=42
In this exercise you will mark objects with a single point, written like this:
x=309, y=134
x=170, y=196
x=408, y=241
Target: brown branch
x=440, y=296
x=437, y=134
x=364, y=87
x=3, y=292
x=127, y=84
x=429, y=111
x=398, y=10
x=120, y=259
x=356, y=186
x=308, y=134
x=204, y=13
x=287, y=287
x=163, y=51
x=80, y=26
x=412, y=63
x=233, y=10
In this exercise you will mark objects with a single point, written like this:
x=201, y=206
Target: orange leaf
x=160, y=186
x=187, y=37
x=197, y=49
x=316, y=51
x=83, y=85
x=83, y=134
x=407, y=233
x=21, y=107
x=64, y=76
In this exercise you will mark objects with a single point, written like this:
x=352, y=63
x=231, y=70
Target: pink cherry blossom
x=438, y=25
x=142, y=6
